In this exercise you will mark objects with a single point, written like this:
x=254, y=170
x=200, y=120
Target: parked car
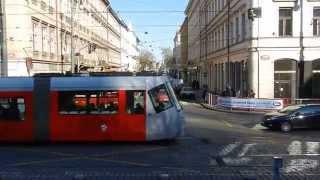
x=298, y=116
x=187, y=92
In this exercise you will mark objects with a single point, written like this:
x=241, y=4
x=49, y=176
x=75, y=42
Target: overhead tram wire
x=105, y=12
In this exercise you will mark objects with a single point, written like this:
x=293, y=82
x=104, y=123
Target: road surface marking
x=312, y=147
x=228, y=149
x=258, y=127
x=245, y=149
x=42, y=161
x=132, y=151
x=227, y=124
x=120, y=161
x=281, y=155
x=301, y=165
x=295, y=148
x=41, y=151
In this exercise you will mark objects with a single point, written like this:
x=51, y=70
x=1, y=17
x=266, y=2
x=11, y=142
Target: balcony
x=51, y=10
x=34, y=2
x=35, y=53
x=44, y=54
x=52, y=56
x=43, y=5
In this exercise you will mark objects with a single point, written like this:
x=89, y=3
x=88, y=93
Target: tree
x=145, y=60
x=168, y=59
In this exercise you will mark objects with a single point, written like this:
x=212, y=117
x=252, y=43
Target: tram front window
x=160, y=98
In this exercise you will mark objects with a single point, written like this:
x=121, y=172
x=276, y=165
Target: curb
x=229, y=111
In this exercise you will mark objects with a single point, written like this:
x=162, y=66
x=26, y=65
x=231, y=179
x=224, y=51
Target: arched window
x=285, y=78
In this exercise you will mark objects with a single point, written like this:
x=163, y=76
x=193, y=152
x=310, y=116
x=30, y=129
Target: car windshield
x=290, y=109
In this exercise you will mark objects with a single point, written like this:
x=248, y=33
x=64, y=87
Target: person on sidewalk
x=204, y=93
x=251, y=94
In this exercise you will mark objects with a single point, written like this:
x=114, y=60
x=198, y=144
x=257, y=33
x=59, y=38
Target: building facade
x=184, y=52
x=177, y=55
x=270, y=47
x=52, y=35
x=129, y=49
x=193, y=15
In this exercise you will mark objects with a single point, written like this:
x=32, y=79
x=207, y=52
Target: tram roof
x=85, y=83
x=106, y=83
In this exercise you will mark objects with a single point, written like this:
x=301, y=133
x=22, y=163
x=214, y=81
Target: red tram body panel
x=118, y=127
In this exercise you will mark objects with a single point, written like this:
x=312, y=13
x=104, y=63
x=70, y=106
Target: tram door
x=131, y=123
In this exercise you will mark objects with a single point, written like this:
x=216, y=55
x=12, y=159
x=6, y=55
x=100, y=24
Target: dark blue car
x=298, y=116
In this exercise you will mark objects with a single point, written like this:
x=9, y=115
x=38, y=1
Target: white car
x=187, y=92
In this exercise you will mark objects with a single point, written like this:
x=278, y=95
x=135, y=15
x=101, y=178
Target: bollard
x=277, y=164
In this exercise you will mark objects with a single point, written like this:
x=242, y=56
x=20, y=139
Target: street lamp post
x=301, y=58
x=228, y=44
x=3, y=41
x=72, y=40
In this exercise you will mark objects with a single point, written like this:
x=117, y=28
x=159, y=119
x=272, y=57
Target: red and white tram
x=62, y=109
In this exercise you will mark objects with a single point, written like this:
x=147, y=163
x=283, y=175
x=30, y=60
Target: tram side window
x=104, y=102
x=12, y=109
x=135, y=102
x=89, y=102
x=72, y=102
x=160, y=98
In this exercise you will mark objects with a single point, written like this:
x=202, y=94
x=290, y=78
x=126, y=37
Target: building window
x=237, y=30
x=243, y=27
x=44, y=35
x=231, y=36
x=136, y=102
x=52, y=41
x=36, y=36
x=285, y=22
x=89, y=102
x=12, y=109
x=316, y=21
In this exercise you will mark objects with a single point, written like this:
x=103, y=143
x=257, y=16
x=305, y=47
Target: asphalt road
x=217, y=144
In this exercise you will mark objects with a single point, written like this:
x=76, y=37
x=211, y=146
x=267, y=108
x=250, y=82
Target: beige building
x=193, y=14
x=245, y=48
x=45, y=35
x=184, y=51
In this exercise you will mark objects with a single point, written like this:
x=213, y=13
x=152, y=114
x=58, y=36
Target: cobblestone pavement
x=217, y=146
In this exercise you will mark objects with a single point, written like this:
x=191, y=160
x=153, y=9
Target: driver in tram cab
x=139, y=109
x=13, y=112
x=159, y=103
x=2, y=112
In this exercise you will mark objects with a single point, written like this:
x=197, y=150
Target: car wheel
x=286, y=127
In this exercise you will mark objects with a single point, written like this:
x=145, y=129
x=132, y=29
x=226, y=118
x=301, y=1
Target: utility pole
x=72, y=40
x=301, y=62
x=3, y=41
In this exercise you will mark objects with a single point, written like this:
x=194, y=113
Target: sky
x=160, y=19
